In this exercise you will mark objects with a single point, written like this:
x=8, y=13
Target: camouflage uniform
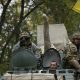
x=71, y=52
x=72, y=57
x=76, y=41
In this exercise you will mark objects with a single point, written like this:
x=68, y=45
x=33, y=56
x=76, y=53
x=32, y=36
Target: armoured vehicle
x=25, y=66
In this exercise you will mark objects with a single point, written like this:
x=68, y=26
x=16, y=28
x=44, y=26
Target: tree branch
x=8, y=39
x=2, y=2
x=17, y=29
x=3, y=14
x=22, y=9
x=33, y=10
x=13, y=32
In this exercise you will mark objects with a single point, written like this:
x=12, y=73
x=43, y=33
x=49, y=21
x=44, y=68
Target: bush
x=3, y=68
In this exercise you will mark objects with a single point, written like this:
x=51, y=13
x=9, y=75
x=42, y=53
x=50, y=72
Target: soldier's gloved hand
x=37, y=55
x=75, y=64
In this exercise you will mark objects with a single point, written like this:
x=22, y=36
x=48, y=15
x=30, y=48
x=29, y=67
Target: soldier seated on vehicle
x=76, y=40
x=71, y=59
x=53, y=65
x=26, y=43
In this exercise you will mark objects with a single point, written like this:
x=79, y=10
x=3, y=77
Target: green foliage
x=3, y=67
x=72, y=22
x=58, y=10
x=69, y=3
x=61, y=11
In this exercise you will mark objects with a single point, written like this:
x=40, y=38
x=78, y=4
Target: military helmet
x=76, y=38
x=24, y=34
x=25, y=39
x=76, y=35
x=73, y=48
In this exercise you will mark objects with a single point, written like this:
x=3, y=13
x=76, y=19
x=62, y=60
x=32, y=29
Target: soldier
x=72, y=57
x=76, y=41
x=26, y=43
x=53, y=65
